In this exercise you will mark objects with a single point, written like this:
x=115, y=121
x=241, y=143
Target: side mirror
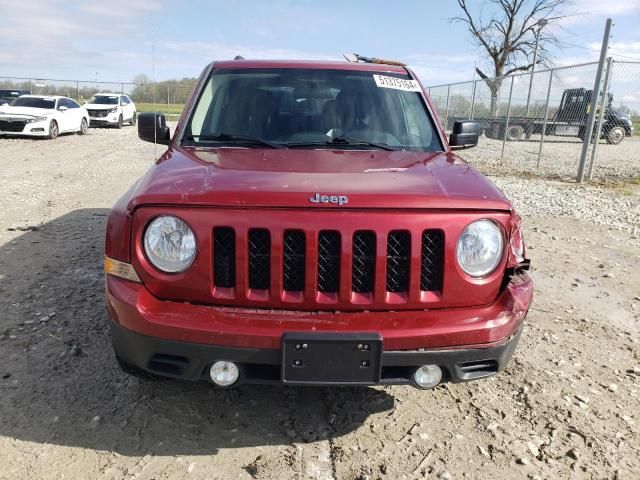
x=152, y=127
x=62, y=109
x=465, y=134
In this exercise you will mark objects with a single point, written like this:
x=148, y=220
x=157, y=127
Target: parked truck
x=570, y=120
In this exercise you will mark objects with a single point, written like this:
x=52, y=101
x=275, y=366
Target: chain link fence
x=166, y=97
x=536, y=123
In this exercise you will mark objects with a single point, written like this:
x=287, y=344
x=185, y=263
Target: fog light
x=427, y=376
x=224, y=373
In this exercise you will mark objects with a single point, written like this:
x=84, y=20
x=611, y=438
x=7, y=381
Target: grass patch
x=173, y=109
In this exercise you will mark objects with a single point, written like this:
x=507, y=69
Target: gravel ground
x=566, y=407
x=559, y=159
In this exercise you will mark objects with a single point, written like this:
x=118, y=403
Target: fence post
x=167, y=97
x=603, y=104
x=594, y=102
x=473, y=100
x=506, y=126
x=77, y=90
x=544, y=122
x=446, y=108
x=122, y=88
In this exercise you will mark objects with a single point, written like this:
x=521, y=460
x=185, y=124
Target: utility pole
x=588, y=133
x=541, y=23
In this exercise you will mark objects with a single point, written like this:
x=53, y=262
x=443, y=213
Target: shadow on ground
x=60, y=384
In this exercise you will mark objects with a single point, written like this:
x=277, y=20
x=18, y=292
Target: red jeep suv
x=310, y=224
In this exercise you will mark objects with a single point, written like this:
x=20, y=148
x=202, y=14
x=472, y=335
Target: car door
x=64, y=115
x=76, y=114
x=127, y=108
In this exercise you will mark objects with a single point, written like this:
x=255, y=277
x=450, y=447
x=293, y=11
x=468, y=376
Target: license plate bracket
x=331, y=358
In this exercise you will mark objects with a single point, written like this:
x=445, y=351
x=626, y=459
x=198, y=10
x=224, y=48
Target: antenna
x=153, y=79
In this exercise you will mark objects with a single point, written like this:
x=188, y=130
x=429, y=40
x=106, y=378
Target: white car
x=43, y=116
x=111, y=109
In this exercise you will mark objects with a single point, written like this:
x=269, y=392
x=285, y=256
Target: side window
x=71, y=103
x=124, y=100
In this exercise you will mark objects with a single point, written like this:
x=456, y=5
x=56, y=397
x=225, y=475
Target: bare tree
x=509, y=37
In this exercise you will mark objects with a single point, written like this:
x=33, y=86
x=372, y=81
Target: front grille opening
x=224, y=257
x=259, y=259
x=169, y=364
x=363, y=261
x=432, y=261
x=328, y=261
x=398, y=257
x=293, y=260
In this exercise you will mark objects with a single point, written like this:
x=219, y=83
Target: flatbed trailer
x=569, y=120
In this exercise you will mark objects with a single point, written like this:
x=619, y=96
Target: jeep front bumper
x=181, y=340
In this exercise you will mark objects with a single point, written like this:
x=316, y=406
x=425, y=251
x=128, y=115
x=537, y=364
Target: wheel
x=514, y=133
x=53, y=130
x=119, y=125
x=84, y=126
x=615, y=135
x=129, y=369
x=133, y=119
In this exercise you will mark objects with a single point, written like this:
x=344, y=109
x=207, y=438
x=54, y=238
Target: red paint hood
x=241, y=177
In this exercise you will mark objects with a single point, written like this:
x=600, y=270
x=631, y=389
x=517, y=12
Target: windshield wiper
x=343, y=141
x=225, y=137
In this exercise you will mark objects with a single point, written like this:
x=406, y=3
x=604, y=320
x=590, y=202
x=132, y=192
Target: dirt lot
x=567, y=406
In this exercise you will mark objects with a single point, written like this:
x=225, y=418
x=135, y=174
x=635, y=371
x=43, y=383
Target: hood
x=24, y=111
x=291, y=178
x=99, y=106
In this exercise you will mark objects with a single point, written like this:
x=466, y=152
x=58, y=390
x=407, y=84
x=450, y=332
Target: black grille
x=224, y=257
x=259, y=259
x=398, y=256
x=328, y=261
x=293, y=260
x=432, y=260
x=364, y=261
x=12, y=126
x=98, y=113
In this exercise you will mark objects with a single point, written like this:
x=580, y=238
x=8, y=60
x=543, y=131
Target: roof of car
x=310, y=64
x=50, y=97
x=109, y=94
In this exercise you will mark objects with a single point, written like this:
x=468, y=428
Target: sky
x=114, y=40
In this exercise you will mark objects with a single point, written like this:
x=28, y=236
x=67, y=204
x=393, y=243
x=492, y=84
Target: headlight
x=479, y=248
x=169, y=244
x=113, y=110
x=37, y=119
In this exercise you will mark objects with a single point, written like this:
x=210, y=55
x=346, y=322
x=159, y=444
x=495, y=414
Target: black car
x=9, y=95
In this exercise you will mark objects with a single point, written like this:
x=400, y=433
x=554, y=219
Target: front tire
x=134, y=119
x=53, y=130
x=615, y=135
x=119, y=124
x=514, y=133
x=84, y=126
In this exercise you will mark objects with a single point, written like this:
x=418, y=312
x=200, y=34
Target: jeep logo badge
x=335, y=199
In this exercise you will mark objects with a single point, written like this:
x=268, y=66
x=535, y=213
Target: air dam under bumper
x=179, y=340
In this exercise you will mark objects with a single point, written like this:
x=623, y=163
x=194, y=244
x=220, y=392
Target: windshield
x=311, y=109
x=104, y=99
x=35, y=102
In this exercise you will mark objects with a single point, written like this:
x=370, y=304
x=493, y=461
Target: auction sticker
x=396, y=83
